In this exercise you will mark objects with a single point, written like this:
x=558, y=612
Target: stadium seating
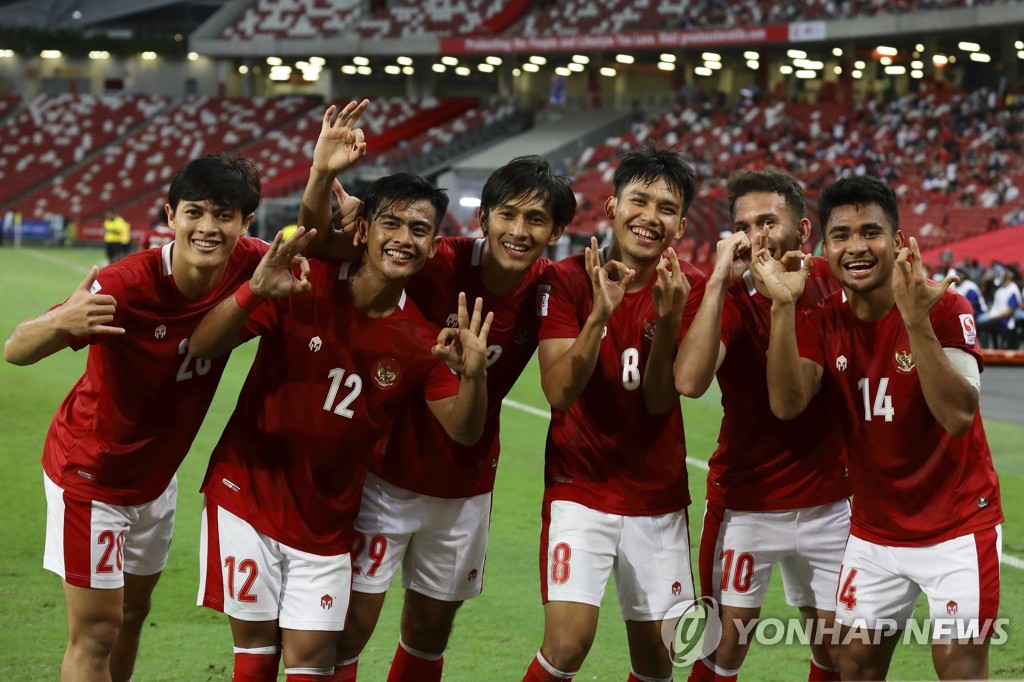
x=295, y=19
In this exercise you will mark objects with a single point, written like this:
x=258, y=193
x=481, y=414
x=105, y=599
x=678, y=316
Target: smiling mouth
x=644, y=234
x=398, y=255
x=858, y=268
x=517, y=249
x=204, y=244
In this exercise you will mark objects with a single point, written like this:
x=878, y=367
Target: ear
x=247, y=222
x=609, y=206
x=362, y=228
x=556, y=233
x=481, y=217
x=681, y=229
x=434, y=244
x=804, y=228
x=170, y=215
x=900, y=240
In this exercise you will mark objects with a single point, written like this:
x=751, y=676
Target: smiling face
x=646, y=218
x=766, y=214
x=401, y=238
x=205, y=234
x=518, y=231
x=861, y=246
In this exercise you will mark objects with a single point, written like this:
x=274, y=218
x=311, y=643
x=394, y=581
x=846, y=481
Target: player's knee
x=95, y=636
x=135, y=614
x=427, y=635
x=358, y=629
x=566, y=651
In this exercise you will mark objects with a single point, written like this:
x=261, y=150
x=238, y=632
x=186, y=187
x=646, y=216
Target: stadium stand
x=295, y=19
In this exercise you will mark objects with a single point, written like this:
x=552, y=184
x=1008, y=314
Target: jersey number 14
x=882, y=406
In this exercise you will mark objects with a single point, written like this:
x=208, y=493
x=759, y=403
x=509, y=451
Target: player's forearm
x=788, y=392
x=565, y=378
x=218, y=332
x=659, y=386
x=315, y=213
x=950, y=397
x=35, y=339
x=697, y=359
x=464, y=422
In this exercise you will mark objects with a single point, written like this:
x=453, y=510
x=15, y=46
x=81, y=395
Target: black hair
x=858, y=190
x=404, y=188
x=649, y=164
x=771, y=182
x=226, y=180
x=530, y=177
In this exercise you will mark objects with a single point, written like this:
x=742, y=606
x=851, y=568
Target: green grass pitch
x=495, y=635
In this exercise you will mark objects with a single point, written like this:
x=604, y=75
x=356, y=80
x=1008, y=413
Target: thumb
x=947, y=281
x=90, y=279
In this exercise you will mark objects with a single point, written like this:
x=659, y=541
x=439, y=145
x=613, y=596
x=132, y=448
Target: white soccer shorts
x=93, y=544
x=738, y=550
x=650, y=556
x=252, y=577
x=439, y=543
x=880, y=584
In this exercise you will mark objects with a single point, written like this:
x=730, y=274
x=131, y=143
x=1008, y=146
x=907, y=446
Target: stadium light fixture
x=711, y=57
x=608, y=71
x=796, y=54
x=919, y=47
x=837, y=70
x=243, y=69
x=666, y=66
x=364, y=70
x=576, y=67
x=703, y=71
x=895, y=70
x=809, y=64
x=317, y=61
x=463, y=71
x=562, y=71
x=360, y=61
x=469, y=202
x=439, y=68
x=886, y=61
x=805, y=74
x=516, y=73
x=952, y=59
x=274, y=61
x=581, y=59
x=313, y=76
x=538, y=60
x=50, y=54
x=449, y=61
x=303, y=65
x=6, y=54
x=837, y=52
x=404, y=61
x=857, y=73
x=149, y=55
x=713, y=65
x=886, y=51
x=917, y=64
x=785, y=69
x=625, y=58
x=531, y=67
x=917, y=73
x=279, y=76
x=99, y=54
x=750, y=54
x=193, y=56
x=968, y=47
x=981, y=57
x=485, y=67
x=1020, y=54
x=393, y=69
x=408, y=70
x=494, y=61
x=666, y=57
x=940, y=60
x=349, y=70
x=753, y=64
x=1019, y=44
x=859, y=64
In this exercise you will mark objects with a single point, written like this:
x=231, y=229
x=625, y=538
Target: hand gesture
x=86, y=313
x=349, y=209
x=608, y=293
x=732, y=257
x=915, y=296
x=671, y=289
x=465, y=349
x=340, y=144
x=275, y=274
x=783, y=279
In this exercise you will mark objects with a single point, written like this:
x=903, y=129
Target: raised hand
x=732, y=257
x=340, y=144
x=86, y=313
x=915, y=296
x=465, y=349
x=671, y=289
x=275, y=274
x=350, y=208
x=608, y=292
x=783, y=279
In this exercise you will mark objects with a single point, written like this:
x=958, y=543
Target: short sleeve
x=557, y=307
x=954, y=324
x=810, y=335
x=732, y=322
x=698, y=283
x=264, y=318
x=109, y=282
x=441, y=383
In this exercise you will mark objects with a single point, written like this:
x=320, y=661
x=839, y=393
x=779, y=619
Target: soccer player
x=113, y=447
x=615, y=474
x=334, y=367
x=902, y=351
x=776, y=491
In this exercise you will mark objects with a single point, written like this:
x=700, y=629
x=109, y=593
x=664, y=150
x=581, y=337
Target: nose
x=856, y=244
x=402, y=235
x=518, y=226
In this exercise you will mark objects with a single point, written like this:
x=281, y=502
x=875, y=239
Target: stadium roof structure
x=60, y=15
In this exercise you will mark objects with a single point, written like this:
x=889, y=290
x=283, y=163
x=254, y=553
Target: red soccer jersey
x=607, y=451
x=762, y=463
x=157, y=237
x=319, y=401
x=913, y=483
x=420, y=456
x=125, y=427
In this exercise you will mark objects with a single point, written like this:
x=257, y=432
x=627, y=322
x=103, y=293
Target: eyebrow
x=647, y=195
x=863, y=226
x=759, y=217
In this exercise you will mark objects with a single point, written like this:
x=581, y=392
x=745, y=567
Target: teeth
x=515, y=247
x=642, y=232
x=397, y=255
x=203, y=243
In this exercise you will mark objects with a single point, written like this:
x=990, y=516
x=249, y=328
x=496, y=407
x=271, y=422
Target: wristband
x=246, y=299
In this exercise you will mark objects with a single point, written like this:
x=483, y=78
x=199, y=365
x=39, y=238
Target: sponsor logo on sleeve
x=543, y=294
x=970, y=331
x=95, y=288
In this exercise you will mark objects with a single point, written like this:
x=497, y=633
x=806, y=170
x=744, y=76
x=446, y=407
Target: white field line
x=57, y=260
x=701, y=464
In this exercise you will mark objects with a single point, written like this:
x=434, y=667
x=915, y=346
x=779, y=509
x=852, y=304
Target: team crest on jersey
x=326, y=602
x=904, y=361
x=387, y=373
x=522, y=337
x=649, y=328
x=160, y=332
x=970, y=331
x=841, y=363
